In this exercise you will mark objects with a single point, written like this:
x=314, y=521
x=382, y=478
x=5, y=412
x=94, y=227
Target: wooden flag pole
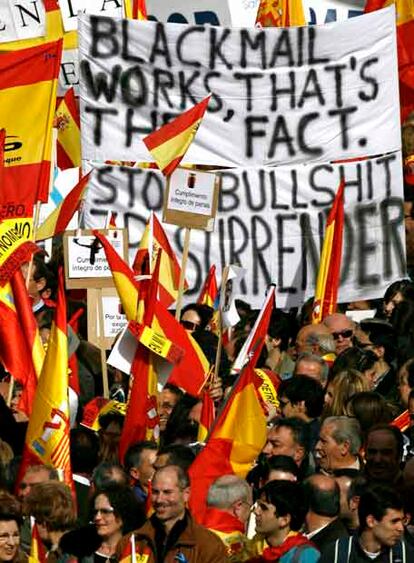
x=102, y=346
x=182, y=274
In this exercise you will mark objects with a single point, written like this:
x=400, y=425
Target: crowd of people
x=334, y=481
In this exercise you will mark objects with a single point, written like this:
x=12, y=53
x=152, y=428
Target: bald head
x=342, y=329
x=307, y=339
x=323, y=495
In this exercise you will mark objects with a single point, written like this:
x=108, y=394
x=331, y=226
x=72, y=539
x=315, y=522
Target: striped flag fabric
x=37, y=549
x=58, y=220
x=191, y=366
x=280, y=13
x=28, y=74
x=141, y=419
x=135, y=9
x=155, y=239
x=328, y=279
x=207, y=416
x=15, y=353
x=236, y=439
x=169, y=143
x=47, y=437
x=405, y=48
x=209, y=292
x=254, y=343
x=67, y=121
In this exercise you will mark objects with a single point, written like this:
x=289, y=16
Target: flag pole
x=104, y=366
x=224, y=279
x=182, y=273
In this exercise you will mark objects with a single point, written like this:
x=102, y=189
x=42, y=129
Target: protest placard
x=21, y=19
x=71, y=8
x=298, y=94
x=85, y=260
x=191, y=199
x=114, y=320
x=271, y=222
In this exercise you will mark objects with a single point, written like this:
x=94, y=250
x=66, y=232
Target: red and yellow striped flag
x=15, y=353
x=37, y=549
x=405, y=45
x=209, y=292
x=28, y=74
x=191, y=366
x=67, y=121
x=47, y=437
x=154, y=239
x=327, y=283
x=237, y=438
x=280, y=13
x=169, y=143
x=135, y=9
x=58, y=220
x=207, y=416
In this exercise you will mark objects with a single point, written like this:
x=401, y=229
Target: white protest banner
x=70, y=9
x=21, y=19
x=271, y=222
x=298, y=94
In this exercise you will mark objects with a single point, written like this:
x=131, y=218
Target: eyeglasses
x=343, y=333
x=188, y=325
x=9, y=537
x=103, y=511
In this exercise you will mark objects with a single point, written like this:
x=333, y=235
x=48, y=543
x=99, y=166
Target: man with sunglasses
x=342, y=329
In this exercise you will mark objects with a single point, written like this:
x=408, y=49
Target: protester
x=342, y=330
x=139, y=464
x=10, y=522
x=51, y=505
x=171, y=532
x=229, y=501
x=383, y=455
x=341, y=388
x=339, y=444
x=380, y=536
x=279, y=515
x=33, y=475
x=313, y=366
x=322, y=518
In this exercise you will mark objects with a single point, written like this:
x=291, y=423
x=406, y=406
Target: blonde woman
x=340, y=389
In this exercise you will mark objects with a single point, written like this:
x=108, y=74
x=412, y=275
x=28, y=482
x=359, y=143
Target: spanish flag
x=142, y=420
x=209, y=292
x=280, y=13
x=28, y=74
x=37, y=549
x=169, y=143
x=67, y=121
x=237, y=438
x=47, y=437
x=328, y=279
x=154, y=239
x=252, y=347
x=58, y=220
x=191, y=366
x=207, y=416
x=15, y=353
x=135, y=9
x=405, y=46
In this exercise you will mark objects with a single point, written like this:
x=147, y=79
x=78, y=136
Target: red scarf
x=221, y=521
x=275, y=553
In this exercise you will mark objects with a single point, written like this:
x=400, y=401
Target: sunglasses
x=343, y=333
x=188, y=325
